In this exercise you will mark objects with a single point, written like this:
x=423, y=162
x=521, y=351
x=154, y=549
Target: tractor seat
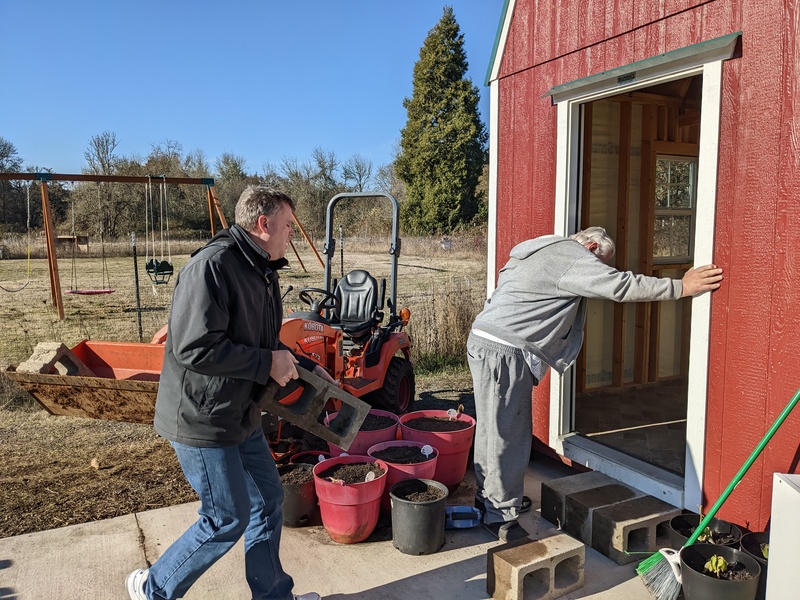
x=357, y=313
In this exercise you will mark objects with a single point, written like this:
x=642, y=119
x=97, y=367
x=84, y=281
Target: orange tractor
x=344, y=331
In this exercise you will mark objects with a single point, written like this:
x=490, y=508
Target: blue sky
x=262, y=79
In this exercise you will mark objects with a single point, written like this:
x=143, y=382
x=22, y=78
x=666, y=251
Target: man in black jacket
x=222, y=345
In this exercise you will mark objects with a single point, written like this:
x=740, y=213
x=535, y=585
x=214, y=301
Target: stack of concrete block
x=615, y=519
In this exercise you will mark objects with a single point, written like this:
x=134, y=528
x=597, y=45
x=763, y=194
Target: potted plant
x=449, y=431
x=718, y=531
x=299, y=497
x=714, y=572
x=756, y=544
x=349, y=489
x=406, y=459
x=378, y=426
x=309, y=457
x=418, y=515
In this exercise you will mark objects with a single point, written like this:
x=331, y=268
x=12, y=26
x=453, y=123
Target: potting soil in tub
x=437, y=424
x=375, y=422
x=296, y=476
x=401, y=455
x=351, y=473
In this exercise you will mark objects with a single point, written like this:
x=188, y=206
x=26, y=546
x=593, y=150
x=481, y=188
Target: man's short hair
x=257, y=200
x=605, y=245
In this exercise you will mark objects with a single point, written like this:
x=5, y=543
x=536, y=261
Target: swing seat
x=90, y=292
x=159, y=271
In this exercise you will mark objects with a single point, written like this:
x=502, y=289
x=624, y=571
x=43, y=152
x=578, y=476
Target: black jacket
x=224, y=323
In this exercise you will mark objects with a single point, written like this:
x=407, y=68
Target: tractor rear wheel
x=398, y=389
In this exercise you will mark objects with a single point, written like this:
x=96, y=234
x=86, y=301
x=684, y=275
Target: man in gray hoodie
x=534, y=320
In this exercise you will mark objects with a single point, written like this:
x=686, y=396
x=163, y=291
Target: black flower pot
x=418, y=526
x=299, y=499
x=751, y=544
x=698, y=585
x=680, y=525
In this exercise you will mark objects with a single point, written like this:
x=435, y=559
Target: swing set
x=159, y=270
x=28, y=229
x=106, y=281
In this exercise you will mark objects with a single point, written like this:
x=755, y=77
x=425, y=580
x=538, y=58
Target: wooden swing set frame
x=47, y=215
x=214, y=208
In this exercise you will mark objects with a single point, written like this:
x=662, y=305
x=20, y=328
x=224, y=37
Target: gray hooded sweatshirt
x=539, y=304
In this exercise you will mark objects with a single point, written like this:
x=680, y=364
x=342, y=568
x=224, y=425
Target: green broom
x=661, y=571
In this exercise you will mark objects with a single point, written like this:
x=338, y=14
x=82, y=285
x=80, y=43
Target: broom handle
x=748, y=463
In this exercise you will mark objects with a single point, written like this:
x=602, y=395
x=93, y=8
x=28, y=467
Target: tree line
x=439, y=174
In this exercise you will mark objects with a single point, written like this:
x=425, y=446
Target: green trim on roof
x=716, y=49
x=497, y=37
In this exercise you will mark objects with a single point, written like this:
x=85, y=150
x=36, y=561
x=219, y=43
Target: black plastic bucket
x=700, y=586
x=418, y=526
x=299, y=499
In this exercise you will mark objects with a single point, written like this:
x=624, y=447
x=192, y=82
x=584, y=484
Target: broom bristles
x=658, y=577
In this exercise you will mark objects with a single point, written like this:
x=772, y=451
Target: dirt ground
x=58, y=471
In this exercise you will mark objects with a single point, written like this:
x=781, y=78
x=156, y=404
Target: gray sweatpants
x=503, y=384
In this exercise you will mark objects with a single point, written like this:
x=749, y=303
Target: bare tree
x=100, y=155
x=11, y=194
x=269, y=176
x=387, y=181
x=231, y=179
x=357, y=173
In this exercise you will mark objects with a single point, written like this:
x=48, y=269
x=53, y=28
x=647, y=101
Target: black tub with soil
x=418, y=516
x=295, y=474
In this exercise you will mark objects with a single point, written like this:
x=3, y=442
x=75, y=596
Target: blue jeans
x=240, y=494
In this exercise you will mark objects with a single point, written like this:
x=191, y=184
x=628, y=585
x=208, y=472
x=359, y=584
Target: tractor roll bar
x=394, y=247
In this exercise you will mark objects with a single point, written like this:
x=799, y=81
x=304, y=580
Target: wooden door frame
x=688, y=491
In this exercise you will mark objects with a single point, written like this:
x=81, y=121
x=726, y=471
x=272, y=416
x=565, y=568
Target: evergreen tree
x=443, y=145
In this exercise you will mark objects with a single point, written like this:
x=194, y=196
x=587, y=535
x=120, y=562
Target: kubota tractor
x=344, y=331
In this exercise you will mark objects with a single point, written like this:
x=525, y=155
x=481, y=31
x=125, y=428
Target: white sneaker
x=308, y=596
x=135, y=583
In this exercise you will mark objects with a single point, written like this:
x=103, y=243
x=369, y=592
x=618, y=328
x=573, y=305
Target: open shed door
x=639, y=160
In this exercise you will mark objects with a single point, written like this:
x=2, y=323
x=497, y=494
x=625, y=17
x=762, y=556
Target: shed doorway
x=638, y=179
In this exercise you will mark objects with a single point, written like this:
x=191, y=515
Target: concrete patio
x=92, y=560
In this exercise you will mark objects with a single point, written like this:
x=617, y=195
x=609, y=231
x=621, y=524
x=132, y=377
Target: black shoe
x=507, y=531
x=526, y=505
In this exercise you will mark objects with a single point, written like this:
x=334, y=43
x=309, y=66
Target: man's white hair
x=605, y=245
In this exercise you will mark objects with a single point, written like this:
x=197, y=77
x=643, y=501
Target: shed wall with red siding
x=754, y=365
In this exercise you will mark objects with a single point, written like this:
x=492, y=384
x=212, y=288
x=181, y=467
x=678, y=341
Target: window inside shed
x=675, y=191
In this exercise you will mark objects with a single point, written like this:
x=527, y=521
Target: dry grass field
x=57, y=471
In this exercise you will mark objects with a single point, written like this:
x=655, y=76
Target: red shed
x=675, y=124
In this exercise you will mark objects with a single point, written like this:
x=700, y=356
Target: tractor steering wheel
x=329, y=300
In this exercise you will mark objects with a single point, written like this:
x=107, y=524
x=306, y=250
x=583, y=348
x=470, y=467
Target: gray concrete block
x=535, y=569
x=555, y=491
x=580, y=507
x=637, y=525
x=54, y=358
